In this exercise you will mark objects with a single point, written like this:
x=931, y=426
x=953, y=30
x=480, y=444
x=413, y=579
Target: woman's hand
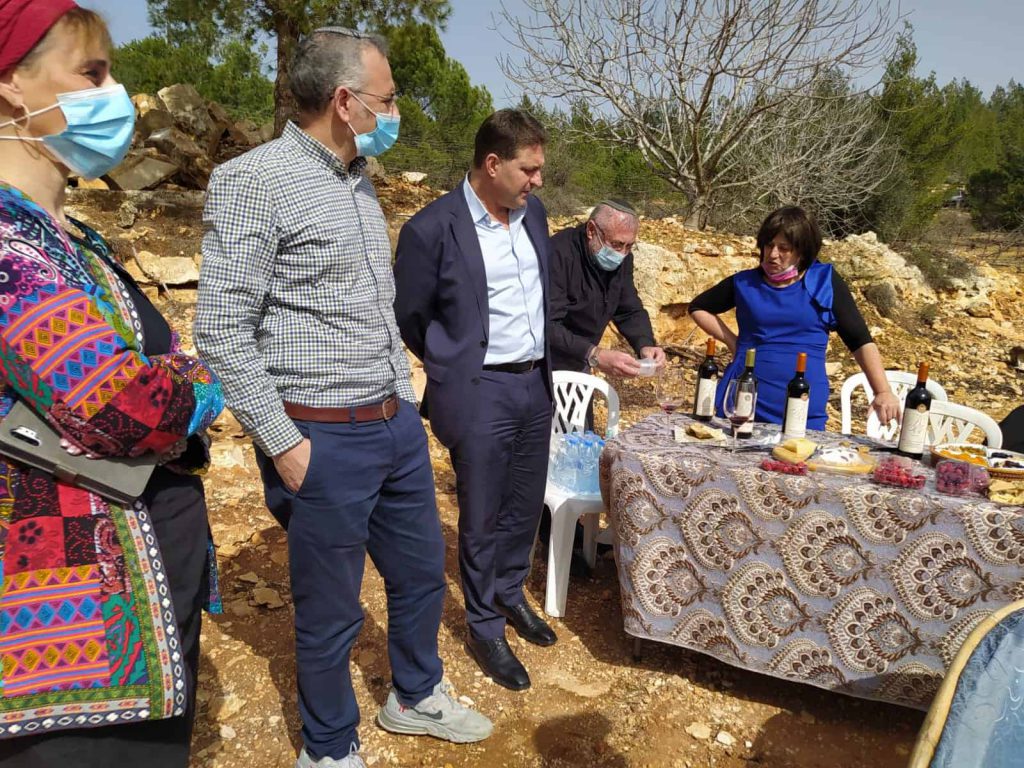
x=886, y=406
x=74, y=450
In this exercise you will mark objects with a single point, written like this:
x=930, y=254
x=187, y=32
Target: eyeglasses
x=389, y=102
x=615, y=245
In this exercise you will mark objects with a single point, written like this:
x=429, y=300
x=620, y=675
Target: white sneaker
x=439, y=714
x=352, y=761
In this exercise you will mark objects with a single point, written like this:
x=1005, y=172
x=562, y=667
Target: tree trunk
x=699, y=214
x=287, y=37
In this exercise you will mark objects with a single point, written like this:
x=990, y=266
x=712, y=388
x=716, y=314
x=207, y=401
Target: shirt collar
x=320, y=153
x=480, y=213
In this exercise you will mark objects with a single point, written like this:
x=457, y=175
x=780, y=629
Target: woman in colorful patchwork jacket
x=100, y=603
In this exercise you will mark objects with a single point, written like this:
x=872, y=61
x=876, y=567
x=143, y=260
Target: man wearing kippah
x=592, y=284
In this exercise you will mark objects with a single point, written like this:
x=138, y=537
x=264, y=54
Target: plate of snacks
x=998, y=462
x=695, y=432
x=1002, y=491
x=843, y=460
x=794, y=450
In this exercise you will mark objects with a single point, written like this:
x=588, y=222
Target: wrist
x=594, y=357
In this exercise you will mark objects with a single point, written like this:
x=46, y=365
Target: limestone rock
x=193, y=162
x=374, y=169
x=725, y=738
x=699, y=731
x=413, y=177
x=140, y=170
x=189, y=109
x=169, y=270
x=268, y=597
x=152, y=121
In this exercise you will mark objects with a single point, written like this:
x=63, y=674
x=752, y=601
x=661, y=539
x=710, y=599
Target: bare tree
x=695, y=84
x=828, y=152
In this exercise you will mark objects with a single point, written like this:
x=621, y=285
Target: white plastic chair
x=900, y=382
x=954, y=423
x=573, y=394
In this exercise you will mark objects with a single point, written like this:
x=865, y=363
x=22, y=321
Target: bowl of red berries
x=898, y=471
x=959, y=478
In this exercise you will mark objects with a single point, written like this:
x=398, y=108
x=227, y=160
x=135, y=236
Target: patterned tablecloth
x=824, y=579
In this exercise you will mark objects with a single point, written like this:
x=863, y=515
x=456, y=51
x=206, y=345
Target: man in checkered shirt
x=295, y=315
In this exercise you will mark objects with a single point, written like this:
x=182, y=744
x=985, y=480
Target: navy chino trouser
x=500, y=474
x=369, y=488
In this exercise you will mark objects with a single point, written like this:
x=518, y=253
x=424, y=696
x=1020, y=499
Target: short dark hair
x=797, y=227
x=504, y=133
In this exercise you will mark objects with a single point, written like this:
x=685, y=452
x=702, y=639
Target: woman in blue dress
x=787, y=305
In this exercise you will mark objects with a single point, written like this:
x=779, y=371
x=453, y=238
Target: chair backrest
x=975, y=719
x=954, y=423
x=900, y=382
x=573, y=393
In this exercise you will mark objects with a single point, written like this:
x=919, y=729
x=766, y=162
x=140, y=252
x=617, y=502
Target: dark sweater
x=584, y=298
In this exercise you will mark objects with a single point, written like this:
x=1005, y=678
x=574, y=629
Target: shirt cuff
x=277, y=435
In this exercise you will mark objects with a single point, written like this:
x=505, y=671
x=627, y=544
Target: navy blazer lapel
x=466, y=238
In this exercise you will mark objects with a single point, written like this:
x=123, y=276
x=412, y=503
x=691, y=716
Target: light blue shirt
x=515, y=295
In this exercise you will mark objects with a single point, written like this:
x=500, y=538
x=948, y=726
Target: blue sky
x=979, y=39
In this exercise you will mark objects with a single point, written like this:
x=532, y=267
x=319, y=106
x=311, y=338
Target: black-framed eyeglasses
x=615, y=245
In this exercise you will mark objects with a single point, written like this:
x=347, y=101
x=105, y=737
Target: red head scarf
x=23, y=24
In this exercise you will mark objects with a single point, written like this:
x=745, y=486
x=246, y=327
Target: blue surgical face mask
x=380, y=139
x=99, y=133
x=609, y=259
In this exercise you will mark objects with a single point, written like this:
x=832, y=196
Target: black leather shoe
x=527, y=624
x=499, y=663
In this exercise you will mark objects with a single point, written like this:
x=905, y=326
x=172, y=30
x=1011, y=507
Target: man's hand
x=619, y=363
x=293, y=464
x=657, y=354
x=886, y=406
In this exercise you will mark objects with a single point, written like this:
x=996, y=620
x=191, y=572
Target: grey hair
x=324, y=60
x=608, y=208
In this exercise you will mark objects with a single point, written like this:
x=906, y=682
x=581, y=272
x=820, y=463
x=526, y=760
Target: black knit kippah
x=619, y=205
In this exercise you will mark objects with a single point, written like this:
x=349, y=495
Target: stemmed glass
x=739, y=407
x=666, y=386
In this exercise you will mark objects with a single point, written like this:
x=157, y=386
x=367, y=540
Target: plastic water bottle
x=556, y=458
x=571, y=473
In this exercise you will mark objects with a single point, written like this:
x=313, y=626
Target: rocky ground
x=592, y=702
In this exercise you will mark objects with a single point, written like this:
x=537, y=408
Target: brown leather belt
x=524, y=367
x=383, y=410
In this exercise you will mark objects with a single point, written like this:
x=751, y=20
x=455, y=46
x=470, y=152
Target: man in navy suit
x=471, y=278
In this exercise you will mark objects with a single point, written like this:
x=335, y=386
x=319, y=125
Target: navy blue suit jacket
x=442, y=308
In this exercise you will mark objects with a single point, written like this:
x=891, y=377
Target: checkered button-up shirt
x=296, y=292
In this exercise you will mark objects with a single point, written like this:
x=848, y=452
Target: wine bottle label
x=706, y=397
x=914, y=430
x=796, y=416
x=745, y=407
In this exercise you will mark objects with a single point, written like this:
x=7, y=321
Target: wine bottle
x=707, y=383
x=798, y=397
x=746, y=394
x=914, y=429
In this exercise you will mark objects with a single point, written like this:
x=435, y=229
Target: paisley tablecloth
x=824, y=579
